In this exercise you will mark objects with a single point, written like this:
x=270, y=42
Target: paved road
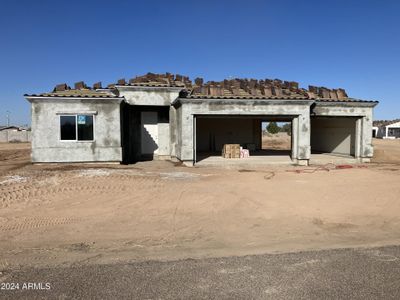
x=372, y=273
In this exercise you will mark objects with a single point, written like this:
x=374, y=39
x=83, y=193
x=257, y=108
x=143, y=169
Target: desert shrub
x=287, y=128
x=273, y=128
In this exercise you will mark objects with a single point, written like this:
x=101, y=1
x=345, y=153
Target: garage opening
x=213, y=132
x=333, y=135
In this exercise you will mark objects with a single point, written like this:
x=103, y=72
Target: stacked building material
x=231, y=151
x=227, y=88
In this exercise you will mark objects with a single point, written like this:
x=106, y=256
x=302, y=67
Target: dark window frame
x=76, y=127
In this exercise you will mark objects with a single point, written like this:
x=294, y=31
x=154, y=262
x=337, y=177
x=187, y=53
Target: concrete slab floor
x=215, y=160
x=316, y=159
x=326, y=158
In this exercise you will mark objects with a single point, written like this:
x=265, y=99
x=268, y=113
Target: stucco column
x=295, y=135
x=367, y=150
x=187, y=137
x=303, y=138
x=173, y=131
x=357, y=142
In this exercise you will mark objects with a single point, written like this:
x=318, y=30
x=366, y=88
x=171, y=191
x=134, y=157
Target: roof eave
x=30, y=98
x=348, y=102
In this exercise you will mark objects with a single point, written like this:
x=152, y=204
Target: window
x=76, y=128
x=68, y=128
x=85, y=128
x=394, y=132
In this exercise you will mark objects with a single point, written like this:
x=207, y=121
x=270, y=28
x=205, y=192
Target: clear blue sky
x=350, y=44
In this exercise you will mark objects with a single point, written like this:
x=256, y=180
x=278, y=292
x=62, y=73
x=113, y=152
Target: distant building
x=14, y=134
x=9, y=128
x=386, y=129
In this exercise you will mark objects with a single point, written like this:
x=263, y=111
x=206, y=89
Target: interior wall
x=149, y=132
x=213, y=133
x=333, y=135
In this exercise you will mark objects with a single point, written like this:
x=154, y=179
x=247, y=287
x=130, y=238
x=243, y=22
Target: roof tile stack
x=228, y=88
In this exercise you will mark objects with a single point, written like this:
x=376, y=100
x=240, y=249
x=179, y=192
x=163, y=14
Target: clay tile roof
x=264, y=89
x=82, y=93
x=158, y=80
x=226, y=89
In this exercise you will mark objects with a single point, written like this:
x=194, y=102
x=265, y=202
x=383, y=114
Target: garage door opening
x=213, y=132
x=335, y=136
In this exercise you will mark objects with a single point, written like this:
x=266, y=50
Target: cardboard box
x=231, y=151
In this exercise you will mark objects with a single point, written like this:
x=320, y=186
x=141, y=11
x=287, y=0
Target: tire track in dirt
x=32, y=223
x=35, y=191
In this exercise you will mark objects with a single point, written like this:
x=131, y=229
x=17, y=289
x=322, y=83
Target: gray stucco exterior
x=47, y=145
x=120, y=119
x=189, y=109
x=363, y=111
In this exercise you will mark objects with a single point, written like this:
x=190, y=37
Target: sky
x=349, y=44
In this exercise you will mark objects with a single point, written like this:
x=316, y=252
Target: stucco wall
x=46, y=143
x=158, y=96
x=15, y=136
x=163, y=139
x=299, y=110
x=333, y=135
x=364, y=112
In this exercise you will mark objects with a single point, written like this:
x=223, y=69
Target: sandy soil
x=14, y=156
x=279, y=141
x=386, y=150
x=52, y=215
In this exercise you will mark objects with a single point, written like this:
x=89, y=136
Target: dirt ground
x=13, y=156
x=386, y=151
x=279, y=141
x=59, y=214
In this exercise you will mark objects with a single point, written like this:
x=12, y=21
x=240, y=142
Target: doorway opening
x=276, y=137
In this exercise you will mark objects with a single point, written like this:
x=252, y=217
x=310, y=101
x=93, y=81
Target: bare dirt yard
x=14, y=156
x=66, y=214
x=278, y=141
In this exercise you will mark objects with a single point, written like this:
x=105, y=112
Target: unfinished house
x=170, y=117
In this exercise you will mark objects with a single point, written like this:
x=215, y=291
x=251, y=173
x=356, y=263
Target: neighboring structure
x=9, y=128
x=14, y=134
x=386, y=129
x=169, y=117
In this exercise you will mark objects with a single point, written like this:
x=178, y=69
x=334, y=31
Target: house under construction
x=170, y=117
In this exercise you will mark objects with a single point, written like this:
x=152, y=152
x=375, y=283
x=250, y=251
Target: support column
x=367, y=150
x=303, y=139
x=194, y=140
x=295, y=134
x=187, y=137
x=357, y=142
x=172, y=131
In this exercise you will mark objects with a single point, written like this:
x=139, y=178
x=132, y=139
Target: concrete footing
x=302, y=162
